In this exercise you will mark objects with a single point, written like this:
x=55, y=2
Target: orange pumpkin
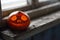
x=18, y=21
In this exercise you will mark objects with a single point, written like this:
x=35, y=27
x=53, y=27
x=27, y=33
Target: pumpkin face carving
x=19, y=21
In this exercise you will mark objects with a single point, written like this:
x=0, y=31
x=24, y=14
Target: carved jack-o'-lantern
x=18, y=20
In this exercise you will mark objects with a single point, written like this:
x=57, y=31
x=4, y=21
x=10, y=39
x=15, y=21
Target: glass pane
x=42, y=0
x=12, y=4
x=47, y=0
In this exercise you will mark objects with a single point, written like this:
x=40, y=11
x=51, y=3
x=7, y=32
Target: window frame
x=34, y=4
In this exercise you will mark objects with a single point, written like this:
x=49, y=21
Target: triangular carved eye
x=13, y=18
x=24, y=18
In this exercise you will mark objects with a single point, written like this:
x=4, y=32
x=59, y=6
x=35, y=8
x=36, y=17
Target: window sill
x=36, y=26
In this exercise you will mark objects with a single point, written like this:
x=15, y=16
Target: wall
x=50, y=34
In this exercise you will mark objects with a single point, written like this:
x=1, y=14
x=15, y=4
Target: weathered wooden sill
x=36, y=26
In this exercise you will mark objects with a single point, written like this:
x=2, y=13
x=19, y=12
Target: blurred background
x=13, y=4
x=8, y=6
